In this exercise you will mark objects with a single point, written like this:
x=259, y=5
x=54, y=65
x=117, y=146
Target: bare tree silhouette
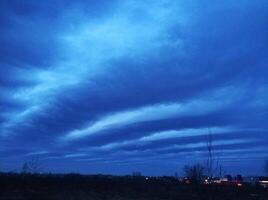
x=32, y=166
x=194, y=172
x=213, y=163
x=210, y=155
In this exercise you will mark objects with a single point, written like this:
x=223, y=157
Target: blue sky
x=122, y=85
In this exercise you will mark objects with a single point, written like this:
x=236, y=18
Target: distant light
x=263, y=181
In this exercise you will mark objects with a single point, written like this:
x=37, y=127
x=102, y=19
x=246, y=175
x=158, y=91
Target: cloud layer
x=121, y=86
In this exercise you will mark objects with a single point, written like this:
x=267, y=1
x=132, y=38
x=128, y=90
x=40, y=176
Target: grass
x=100, y=187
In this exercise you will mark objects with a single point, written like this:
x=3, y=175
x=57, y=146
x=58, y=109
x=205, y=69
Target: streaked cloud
x=132, y=82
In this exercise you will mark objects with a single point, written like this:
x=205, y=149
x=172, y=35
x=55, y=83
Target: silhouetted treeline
x=101, y=187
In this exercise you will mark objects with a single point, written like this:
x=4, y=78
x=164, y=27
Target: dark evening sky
x=122, y=85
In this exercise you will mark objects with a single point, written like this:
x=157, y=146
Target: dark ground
x=99, y=187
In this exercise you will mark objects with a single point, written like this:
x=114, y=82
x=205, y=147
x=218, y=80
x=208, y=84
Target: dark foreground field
x=76, y=187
